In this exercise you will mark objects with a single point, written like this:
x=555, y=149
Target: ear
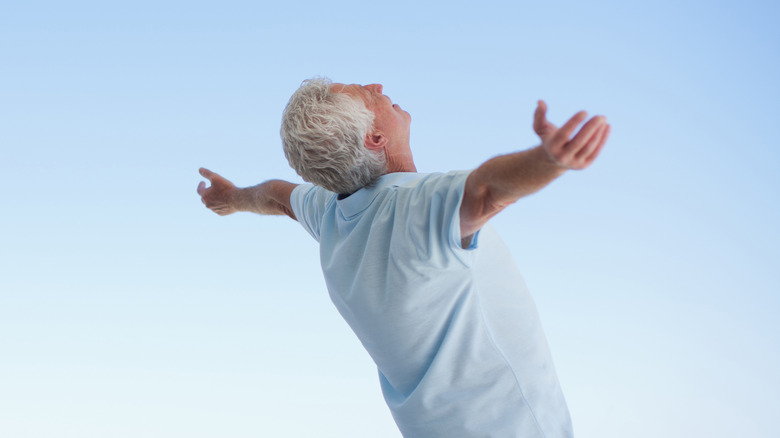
x=375, y=141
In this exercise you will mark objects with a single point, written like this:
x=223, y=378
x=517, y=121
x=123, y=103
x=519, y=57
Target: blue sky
x=128, y=309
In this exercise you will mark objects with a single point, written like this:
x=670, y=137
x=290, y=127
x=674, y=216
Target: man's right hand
x=220, y=196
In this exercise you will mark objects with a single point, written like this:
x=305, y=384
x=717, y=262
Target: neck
x=400, y=161
x=405, y=167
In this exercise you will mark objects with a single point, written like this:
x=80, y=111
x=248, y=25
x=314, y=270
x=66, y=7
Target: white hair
x=323, y=136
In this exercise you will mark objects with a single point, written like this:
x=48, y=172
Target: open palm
x=572, y=153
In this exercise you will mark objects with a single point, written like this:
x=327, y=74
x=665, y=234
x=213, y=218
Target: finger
x=599, y=144
x=205, y=173
x=583, y=137
x=602, y=142
x=590, y=145
x=201, y=188
x=564, y=133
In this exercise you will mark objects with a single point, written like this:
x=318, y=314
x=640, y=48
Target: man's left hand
x=566, y=152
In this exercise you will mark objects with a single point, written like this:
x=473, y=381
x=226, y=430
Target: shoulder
x=305, y=194
x=433, y=183
x=309, y=203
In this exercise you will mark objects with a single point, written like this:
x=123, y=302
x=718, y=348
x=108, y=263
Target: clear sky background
x=127, y=309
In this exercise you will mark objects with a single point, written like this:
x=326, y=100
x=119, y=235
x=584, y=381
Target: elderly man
x=412, y=265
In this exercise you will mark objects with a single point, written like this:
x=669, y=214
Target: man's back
x=454, y=333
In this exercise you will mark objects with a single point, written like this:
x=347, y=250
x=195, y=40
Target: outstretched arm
x=271, y=197
x=503, y=180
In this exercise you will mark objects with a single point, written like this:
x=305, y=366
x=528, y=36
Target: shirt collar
x=360, y=200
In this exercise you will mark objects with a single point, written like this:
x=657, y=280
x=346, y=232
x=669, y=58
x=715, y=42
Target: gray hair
x=323, y=136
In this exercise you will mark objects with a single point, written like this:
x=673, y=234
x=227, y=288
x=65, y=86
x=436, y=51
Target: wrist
x=238, y=200
x=549, y=160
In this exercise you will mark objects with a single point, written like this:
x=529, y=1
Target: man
x=411, y=264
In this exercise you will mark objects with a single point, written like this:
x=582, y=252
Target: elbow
x=479, y=204
x=488, y=197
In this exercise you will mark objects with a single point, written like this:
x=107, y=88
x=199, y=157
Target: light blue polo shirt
x=454, y=332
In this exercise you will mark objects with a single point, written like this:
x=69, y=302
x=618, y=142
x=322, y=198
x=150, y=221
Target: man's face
x=389, y=118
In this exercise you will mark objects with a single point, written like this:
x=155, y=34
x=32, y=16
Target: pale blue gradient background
x=127, y=309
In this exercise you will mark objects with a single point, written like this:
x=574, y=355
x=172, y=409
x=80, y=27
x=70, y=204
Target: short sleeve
x=433, y=213
x=309, y=203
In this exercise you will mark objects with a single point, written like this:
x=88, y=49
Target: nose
x=376, y=88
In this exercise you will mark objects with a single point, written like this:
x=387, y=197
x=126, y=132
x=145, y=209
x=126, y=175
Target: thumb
x=540, y=118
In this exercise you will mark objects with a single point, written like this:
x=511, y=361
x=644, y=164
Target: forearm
x=503, y=180
x=507, y=178
x=268, y=198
